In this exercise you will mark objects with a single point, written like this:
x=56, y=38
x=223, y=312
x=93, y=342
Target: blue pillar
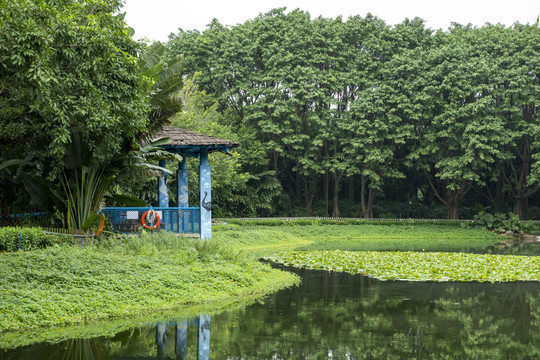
x=205, y=194
x=182, y=191
x=204, y=338
x=182, y=195
x=161, y=339
x=163, y=180
x=181, y=340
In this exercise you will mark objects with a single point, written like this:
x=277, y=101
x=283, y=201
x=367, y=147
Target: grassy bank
x=64, y=285
x=262, y=240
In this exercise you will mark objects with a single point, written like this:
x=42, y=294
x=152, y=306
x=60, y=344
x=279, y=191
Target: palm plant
x=164, y=100
x=85, y=188
x=84, y=182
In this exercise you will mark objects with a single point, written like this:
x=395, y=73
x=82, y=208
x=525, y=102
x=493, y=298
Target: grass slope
x=358, y=238
x=73, y=285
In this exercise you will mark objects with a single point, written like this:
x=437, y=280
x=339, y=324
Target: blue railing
x=184, y=220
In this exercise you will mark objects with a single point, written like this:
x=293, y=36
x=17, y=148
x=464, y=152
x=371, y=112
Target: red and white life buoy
x=151, y=217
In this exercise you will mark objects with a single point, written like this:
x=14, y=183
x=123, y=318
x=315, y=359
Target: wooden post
x=161, y=339
x=205, y=195
x=182, y=194
x=182, y=190
x=204, y=338
x=163, y=180
x=181, y=340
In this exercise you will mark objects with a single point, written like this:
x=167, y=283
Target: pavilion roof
x=191, y=142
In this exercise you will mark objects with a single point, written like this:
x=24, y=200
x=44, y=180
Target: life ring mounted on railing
x=150, y=217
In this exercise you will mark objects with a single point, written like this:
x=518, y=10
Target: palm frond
x=151, y=56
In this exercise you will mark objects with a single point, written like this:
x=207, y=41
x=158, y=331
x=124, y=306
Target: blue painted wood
x=161, y=339
x=204, y=338
x=181, y=340
x=182, y=194
x=205, y=195
x=183, y=186
x=163, y=193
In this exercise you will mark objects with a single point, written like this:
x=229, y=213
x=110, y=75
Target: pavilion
x=181, y=218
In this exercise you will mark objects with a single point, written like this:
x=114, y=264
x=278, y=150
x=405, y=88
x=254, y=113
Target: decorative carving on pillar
x=163, y=182
x=205, y=196
x=183, y=186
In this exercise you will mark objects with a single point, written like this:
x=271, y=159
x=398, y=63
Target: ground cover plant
x=63, y=285
x=418, y=266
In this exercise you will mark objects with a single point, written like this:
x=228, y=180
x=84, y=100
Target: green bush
x=499, y=222
x=31, y=238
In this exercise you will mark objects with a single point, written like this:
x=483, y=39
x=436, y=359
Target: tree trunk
x=335, y=194
x=365, y=213
x=371, y=198
x=499, y=194
x=351, y=189
x=521, y=204
x=298, y=188
x=308, y=197
x=326, y=192
x=453, y=199
x=452, y=210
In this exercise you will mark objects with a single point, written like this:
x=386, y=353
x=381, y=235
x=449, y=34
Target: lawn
x=263, y=240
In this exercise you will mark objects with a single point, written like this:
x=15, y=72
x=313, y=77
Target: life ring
x=156, y=222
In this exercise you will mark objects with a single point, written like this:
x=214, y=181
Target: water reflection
x=202, y=323
x=129, y=345
x=339, y=316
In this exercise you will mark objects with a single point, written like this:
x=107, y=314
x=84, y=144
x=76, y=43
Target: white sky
x=156, y=19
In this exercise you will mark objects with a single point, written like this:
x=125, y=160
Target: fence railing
x=183, y=220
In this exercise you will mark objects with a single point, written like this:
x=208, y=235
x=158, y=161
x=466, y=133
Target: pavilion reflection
x=202, y=323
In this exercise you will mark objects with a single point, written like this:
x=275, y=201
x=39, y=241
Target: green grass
x=64, y=285
x=418, y=266
x=360, y=238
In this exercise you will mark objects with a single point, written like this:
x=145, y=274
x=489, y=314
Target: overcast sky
x=156, y=19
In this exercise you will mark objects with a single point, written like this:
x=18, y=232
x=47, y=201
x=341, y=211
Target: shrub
x=499, y=222
x=30, y=238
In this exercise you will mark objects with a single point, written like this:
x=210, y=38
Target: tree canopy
x=77, y=95
x=437, y=113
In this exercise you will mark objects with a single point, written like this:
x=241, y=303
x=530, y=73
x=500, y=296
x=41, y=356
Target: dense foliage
x=79, y=99
x=352, y=115
x=72, y=97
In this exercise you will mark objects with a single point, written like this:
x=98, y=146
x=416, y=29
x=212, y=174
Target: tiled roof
x=183, y=138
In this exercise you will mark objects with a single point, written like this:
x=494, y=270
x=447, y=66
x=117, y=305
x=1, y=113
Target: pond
x=337, y=316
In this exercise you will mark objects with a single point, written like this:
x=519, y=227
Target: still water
x=337, y=316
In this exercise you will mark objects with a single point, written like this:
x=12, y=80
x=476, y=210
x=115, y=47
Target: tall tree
x=515, y=52
x=461, y=136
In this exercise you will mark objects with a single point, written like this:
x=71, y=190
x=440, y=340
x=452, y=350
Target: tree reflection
x=339, y=316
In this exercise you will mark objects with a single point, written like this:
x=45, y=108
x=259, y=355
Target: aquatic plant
x=418, y=266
